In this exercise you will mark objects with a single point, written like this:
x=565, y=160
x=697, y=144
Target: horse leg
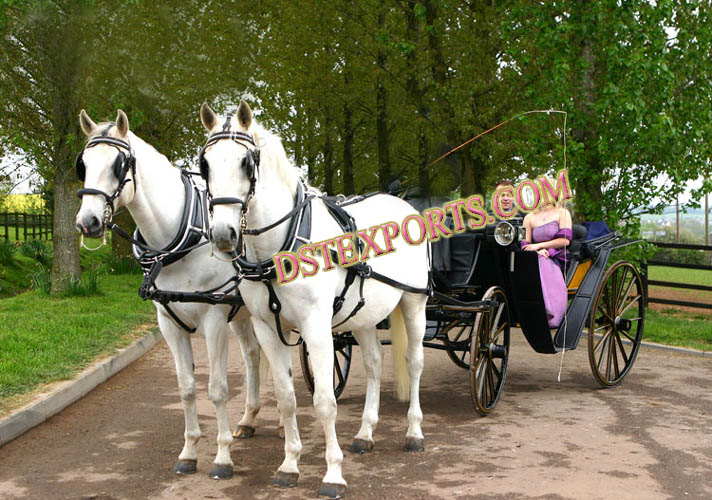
x=317, y=334
x=280, y=360
x=178, y=342
x=251, y=354
x=217, y=340
x=372, y=355
x=413, y=307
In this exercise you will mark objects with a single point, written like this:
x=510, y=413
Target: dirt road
x=649, y=439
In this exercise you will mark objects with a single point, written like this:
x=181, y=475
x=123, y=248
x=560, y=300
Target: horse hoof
x=414, y=444
x=361, y=446
x=332, y=490
x=285, y=479
x=221, y=472
x=243, y=432
x=183, y=467
x=281, y=432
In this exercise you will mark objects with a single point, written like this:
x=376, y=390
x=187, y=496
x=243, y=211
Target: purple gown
x=551, y=271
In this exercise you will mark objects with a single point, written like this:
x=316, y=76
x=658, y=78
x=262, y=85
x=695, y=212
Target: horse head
x=105, y=166
x=229, y=162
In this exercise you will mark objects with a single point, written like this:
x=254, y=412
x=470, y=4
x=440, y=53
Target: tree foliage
x=366, y=92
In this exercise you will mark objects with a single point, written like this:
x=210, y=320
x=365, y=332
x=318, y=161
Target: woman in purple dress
x=548, y=234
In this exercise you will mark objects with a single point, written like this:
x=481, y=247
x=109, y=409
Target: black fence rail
x=23, y=227
x=670, y=284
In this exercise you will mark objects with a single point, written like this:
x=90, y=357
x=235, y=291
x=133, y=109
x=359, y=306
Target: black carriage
x=484, y=284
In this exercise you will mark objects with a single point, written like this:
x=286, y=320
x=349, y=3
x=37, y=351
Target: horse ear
x=122, y=123
x=87, y=124
x=244, y=115
x=208, y=117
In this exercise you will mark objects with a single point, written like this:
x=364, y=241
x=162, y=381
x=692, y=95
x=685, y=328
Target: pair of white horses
x=267, y=192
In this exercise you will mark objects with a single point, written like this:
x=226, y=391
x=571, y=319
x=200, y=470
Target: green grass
x=45, y=339
x=677, y=328
x=677, y=275
x=16, y=276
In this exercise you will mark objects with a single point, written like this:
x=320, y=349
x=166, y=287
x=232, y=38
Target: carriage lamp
x=521, y=233
x=504, y=233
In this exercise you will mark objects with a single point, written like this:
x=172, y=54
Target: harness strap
x=189, y=236
x=359, y=305
x=339, y=300
x=177, y=319
x=275, y=306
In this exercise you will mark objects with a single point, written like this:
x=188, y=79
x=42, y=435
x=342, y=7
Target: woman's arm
x=564, y=234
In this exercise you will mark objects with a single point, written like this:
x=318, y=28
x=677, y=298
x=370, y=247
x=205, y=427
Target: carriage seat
x=579, y=253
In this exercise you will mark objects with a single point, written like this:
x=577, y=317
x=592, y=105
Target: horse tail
x=399, y=343
x=264, y=368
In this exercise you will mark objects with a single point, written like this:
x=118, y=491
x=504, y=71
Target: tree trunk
x=589, y=194
x=384, y=159
x=65, y=266
x=328, y=160
x=349, y=187
x=423, y=173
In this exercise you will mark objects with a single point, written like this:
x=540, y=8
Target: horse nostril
x=94, y=223
x=233, y=235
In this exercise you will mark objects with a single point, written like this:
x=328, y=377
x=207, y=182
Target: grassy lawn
x=674, y=327
x=676, y=275
x=45, y=339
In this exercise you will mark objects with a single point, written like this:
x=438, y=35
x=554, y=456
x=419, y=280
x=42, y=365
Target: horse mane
x=271, y=145
x=271, y=150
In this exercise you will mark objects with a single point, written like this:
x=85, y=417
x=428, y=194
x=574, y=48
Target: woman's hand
x=533, y=247
x=543, y=252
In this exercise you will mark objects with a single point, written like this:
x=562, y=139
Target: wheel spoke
x=492, y=387
x=633, y=301
x=614, y=355
x=608, y=359
x=600, y=308
x=498, y=333
x=601, y=327
x=497, y=317
x=603, y=344
x=480, y=381
x=621, y=285
x=622, y=349
x=625, y=295
x=496, y=372
x=602, y=340
x=628, y=336
x=337, y=367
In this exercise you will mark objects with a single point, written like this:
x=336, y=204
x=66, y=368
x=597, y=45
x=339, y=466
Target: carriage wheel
x=342, y=365
x=615, y=328
x=490, y=352
x=458, y=338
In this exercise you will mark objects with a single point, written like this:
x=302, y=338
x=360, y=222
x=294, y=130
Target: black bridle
x=122, y=165
x=250, y=163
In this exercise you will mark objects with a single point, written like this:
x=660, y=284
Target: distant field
x=23, y=203
x=675, y=275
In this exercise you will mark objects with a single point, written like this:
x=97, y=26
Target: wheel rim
x=490, y=352
x=457, y=337
x=342, y=365
x=616, y=324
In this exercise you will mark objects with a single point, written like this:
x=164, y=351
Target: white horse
x=120, y=169
x=243, y=160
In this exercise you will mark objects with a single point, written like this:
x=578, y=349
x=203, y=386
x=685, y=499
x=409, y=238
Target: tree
x=636, y=85
x=157, y=60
